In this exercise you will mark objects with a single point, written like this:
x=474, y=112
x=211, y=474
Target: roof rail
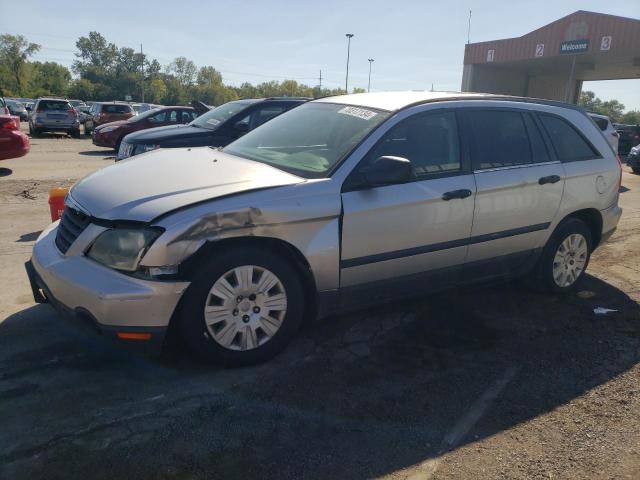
x=503, y=98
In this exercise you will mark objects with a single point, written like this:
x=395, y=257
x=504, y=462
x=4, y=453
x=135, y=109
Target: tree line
x=103, y=71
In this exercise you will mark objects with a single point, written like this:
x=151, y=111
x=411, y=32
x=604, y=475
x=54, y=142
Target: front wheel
x=565, y=257
x=243, y=307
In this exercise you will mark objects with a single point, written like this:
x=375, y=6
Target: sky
x=414, y=43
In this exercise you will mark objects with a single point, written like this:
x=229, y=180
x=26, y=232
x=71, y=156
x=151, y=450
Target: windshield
x=15, y=104
x=143, y=115
x=310, y=139
x=215, y=117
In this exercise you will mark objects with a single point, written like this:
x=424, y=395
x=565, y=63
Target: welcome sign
x=574, y=46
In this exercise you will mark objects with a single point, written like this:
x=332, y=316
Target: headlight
x=107, y=129
x=122, y=248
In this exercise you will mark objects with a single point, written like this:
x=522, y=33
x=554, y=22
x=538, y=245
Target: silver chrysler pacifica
x=339, y=203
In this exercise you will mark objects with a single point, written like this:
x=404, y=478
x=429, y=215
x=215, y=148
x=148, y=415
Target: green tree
x=82, y=89
x=48, y=78
x=632, y=117
x=611, y=108
x=157, y=91
x=184, y=71
x=359, y=90
x=14, y=52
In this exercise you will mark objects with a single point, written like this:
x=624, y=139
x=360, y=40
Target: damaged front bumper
x=116, y=305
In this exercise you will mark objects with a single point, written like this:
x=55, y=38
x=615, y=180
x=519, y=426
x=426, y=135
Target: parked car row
x=216, y=128
x=335, y=204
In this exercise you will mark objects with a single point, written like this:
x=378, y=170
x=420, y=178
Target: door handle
x=549, y=179
x=464, y=193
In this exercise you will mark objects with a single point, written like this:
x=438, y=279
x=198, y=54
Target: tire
x=36, y=133
x=238, y=334
x=636, y=170
x=549, y=274
x=75, y=133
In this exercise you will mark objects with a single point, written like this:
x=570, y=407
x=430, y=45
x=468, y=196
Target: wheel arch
x=593, y=219
x=283, y=249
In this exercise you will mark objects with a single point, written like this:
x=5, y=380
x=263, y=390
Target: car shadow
x=355, y=396
x=97, y=153
x=29, y=237
x=5, y=172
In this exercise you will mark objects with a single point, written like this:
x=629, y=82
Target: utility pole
x=469, y=29
x=320, y=82
x=346, y=80
x=142, y=66
x=370, y=63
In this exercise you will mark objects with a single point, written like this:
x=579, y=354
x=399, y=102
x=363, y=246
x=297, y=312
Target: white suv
x=609, y=132
x=338, y=203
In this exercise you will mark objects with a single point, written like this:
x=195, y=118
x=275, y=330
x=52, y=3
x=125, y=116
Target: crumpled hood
x=146, y=186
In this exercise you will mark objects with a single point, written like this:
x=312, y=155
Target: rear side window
x=115, y=108
x=500, y=139
x=53, y=105
x=601, y=122
x=569, y=145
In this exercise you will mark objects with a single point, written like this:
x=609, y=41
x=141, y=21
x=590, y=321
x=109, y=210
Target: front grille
x=72, y=224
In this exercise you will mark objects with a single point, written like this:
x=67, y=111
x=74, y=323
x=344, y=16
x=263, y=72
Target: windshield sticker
x=213, y=121
x=362, y=113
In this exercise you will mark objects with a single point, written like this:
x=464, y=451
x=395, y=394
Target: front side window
x=429, y=141
x=158, y=118
x=309, y=140
x=264, y=114
x=569, y=145
x=215, y=117
x=499, y=138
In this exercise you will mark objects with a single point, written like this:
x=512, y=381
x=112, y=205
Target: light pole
x=370, y=63
x=346, y=80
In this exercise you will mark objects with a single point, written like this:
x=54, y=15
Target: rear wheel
x=636, y=170
x=75, y=133
x=565, y=257
x=243, y=307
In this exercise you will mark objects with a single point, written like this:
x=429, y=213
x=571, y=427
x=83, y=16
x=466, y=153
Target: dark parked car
x=105, y=112
x=110, y=134
x=216, y=128
x=17, y=108
x=629, y=138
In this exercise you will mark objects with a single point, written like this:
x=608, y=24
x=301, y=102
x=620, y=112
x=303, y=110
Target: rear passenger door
x=519, y=188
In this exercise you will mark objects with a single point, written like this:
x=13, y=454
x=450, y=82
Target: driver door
x=420, y=227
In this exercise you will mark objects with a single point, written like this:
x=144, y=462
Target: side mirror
x=241, y=127
x=387, y=170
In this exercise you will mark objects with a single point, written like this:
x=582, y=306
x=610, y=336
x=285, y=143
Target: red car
x=111, y=134
x=13, y=143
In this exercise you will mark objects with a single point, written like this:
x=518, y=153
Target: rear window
x=54, y=105
x=115, y=108
x=602, y=123
x=567, y=142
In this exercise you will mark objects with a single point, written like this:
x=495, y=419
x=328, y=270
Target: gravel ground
x=487, y=382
